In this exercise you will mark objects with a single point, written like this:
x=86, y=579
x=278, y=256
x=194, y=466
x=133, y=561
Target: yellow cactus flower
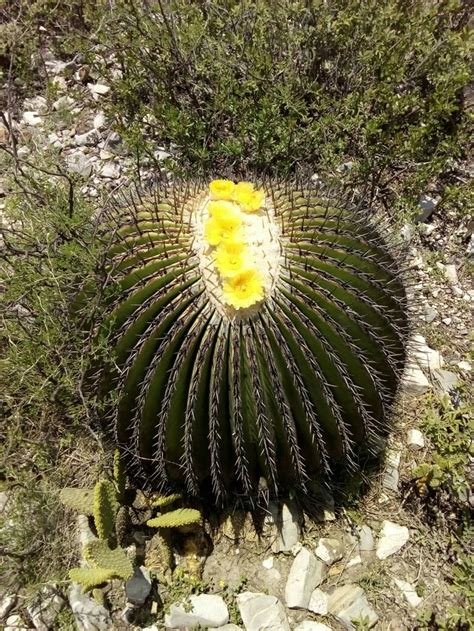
x=244, y=289
x=223, y=228
x=221, y=189
x=231, y=258
x=247, y=197
x=222, y=208
x=243, y=188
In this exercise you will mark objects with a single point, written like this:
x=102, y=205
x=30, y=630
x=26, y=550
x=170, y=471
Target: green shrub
x=449, y=429
x=49, y=255
x=287, y=85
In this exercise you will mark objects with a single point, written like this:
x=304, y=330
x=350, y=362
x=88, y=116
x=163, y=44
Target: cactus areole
x=259, y=332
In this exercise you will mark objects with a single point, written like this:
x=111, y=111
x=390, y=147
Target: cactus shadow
x=269, y=516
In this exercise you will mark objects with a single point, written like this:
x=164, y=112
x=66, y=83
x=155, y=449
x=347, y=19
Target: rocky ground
x=373, y=566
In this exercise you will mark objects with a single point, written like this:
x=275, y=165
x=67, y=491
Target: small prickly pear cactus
x=105, y=509
x=259, y=331
x=120, y=476
x=176, y=518
x=81, y=500
x=98, y=554
x=90, y=578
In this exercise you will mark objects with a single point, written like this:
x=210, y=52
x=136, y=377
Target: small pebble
x=415, y=439
x=268, y=563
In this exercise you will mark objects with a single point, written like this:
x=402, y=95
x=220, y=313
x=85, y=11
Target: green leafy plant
x=449, y=429
x=293, y=84
x=444, y=483
x=302, y=384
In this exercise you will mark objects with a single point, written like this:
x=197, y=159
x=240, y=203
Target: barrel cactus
x=259, y=332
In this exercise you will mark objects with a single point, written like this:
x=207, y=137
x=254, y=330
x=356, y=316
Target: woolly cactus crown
x=259, y=332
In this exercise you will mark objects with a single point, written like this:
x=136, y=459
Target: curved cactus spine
x=215, y=395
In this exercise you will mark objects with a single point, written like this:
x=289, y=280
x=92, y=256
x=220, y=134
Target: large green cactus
x=283, y=372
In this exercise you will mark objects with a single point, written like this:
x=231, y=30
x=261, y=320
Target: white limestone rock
x=427, y=205
x=84, y=530
x=356, y=560
x=451, y=274
x=330, y=550
x=109, y=170
x=261, y=612
x=306, y=573
x=77, y=162
x=392, y=539
x=415, y=439
x=3, y=501
x=311, y=625
x=425, y=356
x=99, y=88
x=288, y=525
x=415, y=381
x=15, y=623
x=32, y=118
x=88, y=614
x=349, y=603
x=444, y=380
x=6, y=605
x=64, y=103
x=99, y=121
x=45, y=608
x=366, y=539
x=391, y=473
x=36, y=104
x=409, y=592
x=268, y=563
x=205, y=610
x=88, y=138
x=430, y=314
x=318, y=602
